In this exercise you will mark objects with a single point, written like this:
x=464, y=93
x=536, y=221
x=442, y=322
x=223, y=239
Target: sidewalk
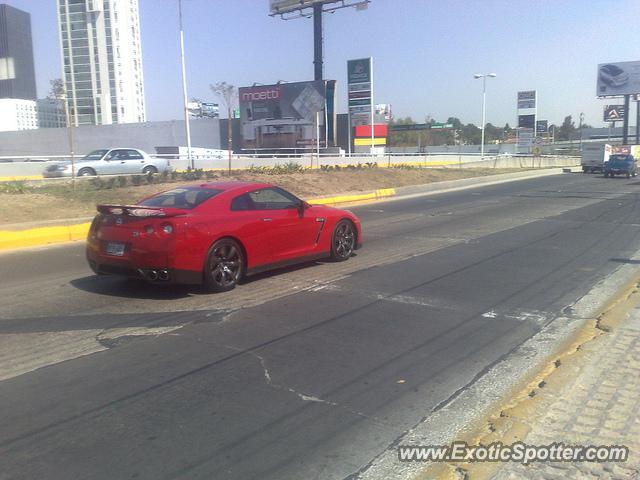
x=599, y=405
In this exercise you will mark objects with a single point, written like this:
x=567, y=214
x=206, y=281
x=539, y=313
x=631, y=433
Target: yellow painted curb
x=14, y=239
x=18, y=178
x=381, y=193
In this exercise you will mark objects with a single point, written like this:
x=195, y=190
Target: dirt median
x=59, y=201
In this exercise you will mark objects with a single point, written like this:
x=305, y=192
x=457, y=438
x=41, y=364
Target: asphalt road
x=306, y=373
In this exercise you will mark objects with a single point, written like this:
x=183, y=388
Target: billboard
x=614, y=79
x=284, y=115
x=614, y=113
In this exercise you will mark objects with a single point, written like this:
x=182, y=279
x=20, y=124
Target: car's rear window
x=188, y=198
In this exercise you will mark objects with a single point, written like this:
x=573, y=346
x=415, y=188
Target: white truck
x=593, y=156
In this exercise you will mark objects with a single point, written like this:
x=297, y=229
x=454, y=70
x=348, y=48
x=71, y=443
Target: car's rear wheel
x=149, y=169
x=224, y=266
x=86, y=172
x=343, y=241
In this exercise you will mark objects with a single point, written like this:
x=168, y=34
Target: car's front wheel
x=224, y=266
x=86, y=172
x=343, y=241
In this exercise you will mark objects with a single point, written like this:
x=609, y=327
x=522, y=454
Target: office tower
x=102, y=60
x=17, y=74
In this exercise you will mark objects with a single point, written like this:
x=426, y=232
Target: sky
x=425, y=52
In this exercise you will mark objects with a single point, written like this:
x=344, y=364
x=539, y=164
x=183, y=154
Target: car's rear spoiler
x=140, y=210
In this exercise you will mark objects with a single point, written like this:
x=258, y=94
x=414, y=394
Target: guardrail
x=31, y=168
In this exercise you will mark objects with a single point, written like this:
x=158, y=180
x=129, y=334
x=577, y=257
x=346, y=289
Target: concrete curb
x=46, y=235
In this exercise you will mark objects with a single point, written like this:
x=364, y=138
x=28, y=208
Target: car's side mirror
x=302, y=206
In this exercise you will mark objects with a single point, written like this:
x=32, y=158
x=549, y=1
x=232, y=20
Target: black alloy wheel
x=224, y=266
x=343, y=241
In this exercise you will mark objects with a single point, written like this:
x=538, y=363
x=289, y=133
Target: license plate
x=116, y=249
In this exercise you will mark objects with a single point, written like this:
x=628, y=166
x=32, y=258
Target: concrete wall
x=146, y=136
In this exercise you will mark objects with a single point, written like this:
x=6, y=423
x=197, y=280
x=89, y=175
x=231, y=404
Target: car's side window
x=118, y=155
x=241, y=203
x=134, y=155
x=272, y=199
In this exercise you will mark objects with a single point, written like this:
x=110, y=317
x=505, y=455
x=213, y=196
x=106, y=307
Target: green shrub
x=136, y=180
x=122, y=181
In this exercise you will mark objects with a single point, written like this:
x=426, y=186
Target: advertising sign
x=384, y=110
x=210, y=110
x=542, y=126
x=614, y=113
x=283, y=115
x=360, y=94
x=526, y=138
x=526, y=99
x=285, y=6
x=359, y=71
x=615, y=79
x=526, y=121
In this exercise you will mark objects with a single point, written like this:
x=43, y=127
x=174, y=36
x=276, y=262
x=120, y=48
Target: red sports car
x=215, y=233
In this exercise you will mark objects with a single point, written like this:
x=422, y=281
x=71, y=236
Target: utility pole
x=637, y=119
x=317, y=41
x=580, y=129
x=184, y=89
x=625, y=123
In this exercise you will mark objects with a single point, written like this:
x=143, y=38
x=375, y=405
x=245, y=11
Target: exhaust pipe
x=152, y=275
x=163, y=275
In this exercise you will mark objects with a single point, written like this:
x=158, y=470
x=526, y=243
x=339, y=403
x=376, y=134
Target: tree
x=567, y=129
x=227, y=94
x=57, y=90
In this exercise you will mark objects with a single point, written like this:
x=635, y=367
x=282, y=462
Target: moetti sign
x=255, y=94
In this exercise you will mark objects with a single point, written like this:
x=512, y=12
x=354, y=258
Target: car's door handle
x=266, y=219
x=122, y=161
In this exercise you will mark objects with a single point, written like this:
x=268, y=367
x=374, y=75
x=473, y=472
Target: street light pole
x=483, y=76
x=184, y=88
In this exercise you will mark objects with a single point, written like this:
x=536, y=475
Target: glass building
x=102, y=60
x=17, y=73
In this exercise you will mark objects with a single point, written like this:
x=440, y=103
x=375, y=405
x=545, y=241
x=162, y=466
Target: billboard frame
x=304, y=8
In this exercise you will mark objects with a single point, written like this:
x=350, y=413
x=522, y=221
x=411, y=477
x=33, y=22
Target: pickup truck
x=620, y=164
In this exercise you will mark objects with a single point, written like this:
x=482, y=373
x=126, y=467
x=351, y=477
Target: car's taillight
x=95, y=224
